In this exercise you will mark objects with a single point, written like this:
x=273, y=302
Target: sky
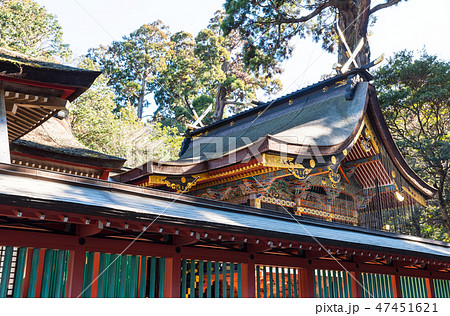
x=412, y=25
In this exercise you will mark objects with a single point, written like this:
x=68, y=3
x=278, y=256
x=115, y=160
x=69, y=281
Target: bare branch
x=387, y=4
x=317, y=11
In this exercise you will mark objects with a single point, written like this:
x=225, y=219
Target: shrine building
x=306, y=195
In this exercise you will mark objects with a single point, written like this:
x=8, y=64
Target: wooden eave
x=35, y=90
x=100, y=210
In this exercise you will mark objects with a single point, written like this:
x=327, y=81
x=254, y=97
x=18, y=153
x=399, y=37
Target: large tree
x=209, y=70
x=98, y=125
x=133, y=63
x=270, y=25
x=28, y=28
x=415, y=95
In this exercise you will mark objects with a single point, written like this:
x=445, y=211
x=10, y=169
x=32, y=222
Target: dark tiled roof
x=54, y=140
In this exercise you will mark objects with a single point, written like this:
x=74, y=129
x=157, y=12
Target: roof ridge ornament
x=352, y=55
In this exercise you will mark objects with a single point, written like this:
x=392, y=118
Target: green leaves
x=133, y=64
x=415, y=97
x=207, y=70
x=28, y=28
x=97, y=124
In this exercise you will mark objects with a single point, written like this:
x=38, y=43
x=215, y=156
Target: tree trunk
x=443, y=205
x=140, y=107
x=220, y=103
x=221, y=96
x=353, y=20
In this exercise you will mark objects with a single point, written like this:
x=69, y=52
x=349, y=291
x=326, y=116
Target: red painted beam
x=172, y=284
x=397, y=290
x=430, y=288
x=248, y=280
x=66, y=90
x=356, y=284
x=307, y=282
x=75, y=273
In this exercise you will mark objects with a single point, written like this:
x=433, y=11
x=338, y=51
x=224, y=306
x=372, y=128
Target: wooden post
x=4, y=140
x=248, y=280
x=307, y=282
x=172, y=276
x=396, y=288
x=430, y=288
x=255, y=200
x=356, y=284
x=75, y=272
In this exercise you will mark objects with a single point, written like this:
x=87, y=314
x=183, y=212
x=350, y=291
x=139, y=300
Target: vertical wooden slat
x=54, y=264
x=258, y=282
x=133, y=277
x=46, y=273
x=283, y=283
x=34, y=272
x=330, y=284
x=152, y=277
x=232, y=280
x=271, y=282
x=436, y=288
x=339, y=284
x=277, y=282
x=224, y=279
x=101, y=275
x=265, y=281
x=162, y=273
x=409, y=293
x=192, y=279
x=122, y=276
x=334, y=279
x=28, y=266
x=444, y=289
x=88, y=272
x=95, y=272
x=40, y=272
x=183, y=278
x=289, y=283
x=320, y=283
x=370, y=286
x=325, y=283
x=216, y=280
x=20, y=266
x=208, y=279
x=239, y=279
x=128, y=276
x=425, y=289
x=384, y=286
x=413, y=289
x=66, y=272
x=345, y=284
x=112, y=276
x=59, y=274
x=6, y=271
x=200, y=278
x=295, y=283
x=350, y=284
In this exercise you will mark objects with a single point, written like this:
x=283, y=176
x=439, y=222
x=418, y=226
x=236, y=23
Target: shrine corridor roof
x=26, y=187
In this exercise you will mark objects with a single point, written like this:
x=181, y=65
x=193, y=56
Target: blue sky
x=411, y=25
